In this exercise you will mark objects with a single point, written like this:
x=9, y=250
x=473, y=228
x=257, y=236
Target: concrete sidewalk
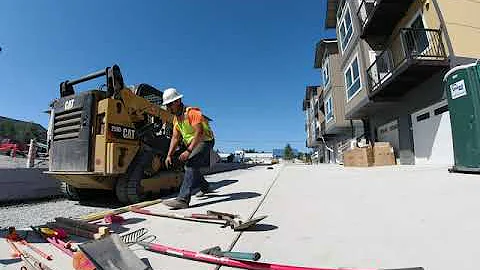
x=328, y=216
x=380, y=217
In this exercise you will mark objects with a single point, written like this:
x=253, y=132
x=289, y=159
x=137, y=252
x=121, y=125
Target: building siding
x=360, y=47
x=363, y=66
x=462, y=19
x=336, y=77
x=336, y=88
x=356, y=33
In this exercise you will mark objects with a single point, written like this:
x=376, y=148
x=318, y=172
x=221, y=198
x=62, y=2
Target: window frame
x=326, y=69
x=342, y=21
x=328, y=101
x=349, y=69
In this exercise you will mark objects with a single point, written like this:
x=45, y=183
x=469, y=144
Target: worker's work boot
x=204, y=193
x=175, y=204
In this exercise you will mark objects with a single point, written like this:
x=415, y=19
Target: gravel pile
x=28, y=214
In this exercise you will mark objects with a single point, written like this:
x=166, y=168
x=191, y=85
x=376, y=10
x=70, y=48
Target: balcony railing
x=364, y=11
x=410, y=48
x=378, y=19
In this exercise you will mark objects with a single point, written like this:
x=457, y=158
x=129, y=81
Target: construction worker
x=190, y=126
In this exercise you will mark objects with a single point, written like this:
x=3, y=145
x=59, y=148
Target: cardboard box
x=383, y=154
x=358, y=157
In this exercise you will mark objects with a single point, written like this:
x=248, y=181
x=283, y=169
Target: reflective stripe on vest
x=187, y=131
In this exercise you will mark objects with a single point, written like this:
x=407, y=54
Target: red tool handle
x=171, y=251
x=38, y=251
x=60, y=245
x=16, y=253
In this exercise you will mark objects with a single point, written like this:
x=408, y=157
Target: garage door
x=432, y=135
x=389, y=133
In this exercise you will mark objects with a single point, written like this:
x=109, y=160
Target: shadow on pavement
x=108, y=200
x=9, y=261
x=227, y=197
x=222, y=183
x=261, y=228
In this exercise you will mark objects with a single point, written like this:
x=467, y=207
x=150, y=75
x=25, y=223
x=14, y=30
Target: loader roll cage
x=114, y=81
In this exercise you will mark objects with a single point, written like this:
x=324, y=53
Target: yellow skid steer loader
x=114, y=138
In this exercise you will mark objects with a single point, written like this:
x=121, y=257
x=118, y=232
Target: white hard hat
x=170, y=95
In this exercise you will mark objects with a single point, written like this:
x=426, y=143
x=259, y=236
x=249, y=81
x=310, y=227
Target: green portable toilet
x=462, y=85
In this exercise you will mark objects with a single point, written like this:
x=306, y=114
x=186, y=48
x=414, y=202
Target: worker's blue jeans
x=198, y=159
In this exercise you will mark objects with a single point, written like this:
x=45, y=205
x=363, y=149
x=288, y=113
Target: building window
x=326, y=72
x=352, y=78
x=345, y=28
x=329, y=109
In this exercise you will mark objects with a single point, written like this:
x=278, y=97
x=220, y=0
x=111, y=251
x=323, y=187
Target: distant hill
x=21, y=131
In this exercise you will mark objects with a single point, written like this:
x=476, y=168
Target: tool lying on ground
x=110, y=253
x=80, y=261
x=229, y=220
x=58, y=233
x=14, y=237
x=197, y=256
x=30, y=261
x=121, y=210
x=49, y=236
x=110, y=219
x=136, y=236
x=80, y=228
x=217, y=252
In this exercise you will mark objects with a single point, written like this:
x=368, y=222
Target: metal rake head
x=137, y=236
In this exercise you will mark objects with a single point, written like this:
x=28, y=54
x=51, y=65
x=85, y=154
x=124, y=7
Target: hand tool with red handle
x=31, y=262
x=197, y=256
x=37, y=250
x=58, y=243
x=13, y=236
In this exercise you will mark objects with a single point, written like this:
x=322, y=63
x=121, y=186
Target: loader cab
x=149, y=93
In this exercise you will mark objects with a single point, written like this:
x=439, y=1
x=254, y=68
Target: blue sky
x=244, y=62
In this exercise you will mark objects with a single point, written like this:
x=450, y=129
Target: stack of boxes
x=380, y=154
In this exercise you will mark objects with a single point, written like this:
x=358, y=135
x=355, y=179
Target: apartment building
x=393, y=55
x=336, y=130
x=314, y=115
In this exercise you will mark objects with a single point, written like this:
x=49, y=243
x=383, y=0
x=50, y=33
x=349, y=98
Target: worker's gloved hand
x=168, y=161
x=184, y=156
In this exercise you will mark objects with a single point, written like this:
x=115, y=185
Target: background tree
x=288, y=152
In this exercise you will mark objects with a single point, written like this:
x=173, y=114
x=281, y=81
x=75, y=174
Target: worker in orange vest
x=190, y=126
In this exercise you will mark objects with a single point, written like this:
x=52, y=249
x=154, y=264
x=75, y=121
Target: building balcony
x=410, y=58
x=324, y=133
x=378, y=18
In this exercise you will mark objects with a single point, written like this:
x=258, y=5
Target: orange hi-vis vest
x=192, y=117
